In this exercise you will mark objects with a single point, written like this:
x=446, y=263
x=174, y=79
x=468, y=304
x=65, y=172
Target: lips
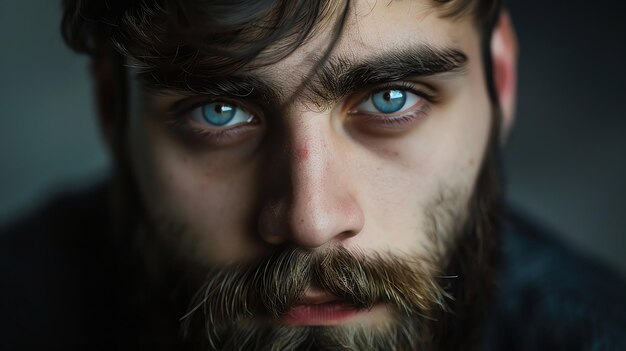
x=318, y=307
x=315, y=296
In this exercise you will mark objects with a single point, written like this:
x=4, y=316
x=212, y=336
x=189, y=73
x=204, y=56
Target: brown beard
x=474, y=258
x=227, y=307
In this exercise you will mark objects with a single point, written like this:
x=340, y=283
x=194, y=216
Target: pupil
x=221, y=108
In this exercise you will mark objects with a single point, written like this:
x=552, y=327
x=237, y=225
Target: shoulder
x=551, y=298
x=56, y=232
x=55, y=272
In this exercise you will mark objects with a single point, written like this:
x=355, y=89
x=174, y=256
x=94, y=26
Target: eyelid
x=182, y=108
x=188, y=104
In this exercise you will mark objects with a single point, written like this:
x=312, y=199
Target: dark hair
x=227, y=35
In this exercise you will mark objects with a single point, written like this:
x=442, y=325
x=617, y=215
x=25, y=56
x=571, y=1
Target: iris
x=218, y=114
x=389, y=101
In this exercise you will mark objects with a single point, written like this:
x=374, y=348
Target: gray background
x=565, y=163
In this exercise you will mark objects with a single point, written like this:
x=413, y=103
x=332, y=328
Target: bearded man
x=302, y=175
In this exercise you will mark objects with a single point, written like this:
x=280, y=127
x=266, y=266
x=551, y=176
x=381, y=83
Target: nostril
x=271, y=226
x=346, y=235
x=273, y=238
x=323, y=219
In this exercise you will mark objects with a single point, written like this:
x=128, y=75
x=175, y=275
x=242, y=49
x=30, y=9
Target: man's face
x=377, y=153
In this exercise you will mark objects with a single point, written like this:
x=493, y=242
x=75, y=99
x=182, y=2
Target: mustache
x=273, y=286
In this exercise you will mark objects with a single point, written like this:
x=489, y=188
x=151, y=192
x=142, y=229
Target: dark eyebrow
x=335, y=79
x=343, y=75
x=236, y=86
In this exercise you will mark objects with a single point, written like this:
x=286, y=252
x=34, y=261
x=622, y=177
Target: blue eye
x=388, y=101
x=221, y=114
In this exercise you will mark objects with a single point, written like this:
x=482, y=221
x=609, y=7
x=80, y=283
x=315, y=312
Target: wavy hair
x=176, y=35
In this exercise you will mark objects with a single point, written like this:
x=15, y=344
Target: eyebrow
x=333, y=80
x=343, y=75
x=234, y=86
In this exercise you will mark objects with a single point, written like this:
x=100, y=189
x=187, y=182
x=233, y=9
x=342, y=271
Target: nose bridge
x=314, y=197
x=319, y=206
x=310, y=163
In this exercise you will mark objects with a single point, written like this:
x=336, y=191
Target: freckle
x=302, y=153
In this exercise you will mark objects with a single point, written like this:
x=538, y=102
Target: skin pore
x=323, y=169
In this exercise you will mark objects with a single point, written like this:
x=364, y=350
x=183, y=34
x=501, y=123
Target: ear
x=504, y=57
x=105, y=79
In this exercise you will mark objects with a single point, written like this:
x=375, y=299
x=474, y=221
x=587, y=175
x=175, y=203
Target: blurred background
x=565, y=162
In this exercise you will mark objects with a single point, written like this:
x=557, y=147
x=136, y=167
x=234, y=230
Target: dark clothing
x=549, y=298
x=64, y=284
x=60, y=282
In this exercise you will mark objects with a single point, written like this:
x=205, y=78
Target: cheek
x=195, y=191
x=431, y=171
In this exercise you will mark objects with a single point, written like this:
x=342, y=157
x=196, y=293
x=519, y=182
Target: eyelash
x=217, y=137
x=408, y=86
x=396, y=121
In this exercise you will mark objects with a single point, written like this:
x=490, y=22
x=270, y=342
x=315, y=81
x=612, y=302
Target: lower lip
x=319, y=314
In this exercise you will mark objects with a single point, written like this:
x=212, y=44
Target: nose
x=317, y=203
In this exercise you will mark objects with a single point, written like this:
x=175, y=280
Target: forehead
x=374, y=28
x=373, y=33
x=373, y=25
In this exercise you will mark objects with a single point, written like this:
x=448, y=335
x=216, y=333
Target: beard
x=239, y=307
x=436, y=302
